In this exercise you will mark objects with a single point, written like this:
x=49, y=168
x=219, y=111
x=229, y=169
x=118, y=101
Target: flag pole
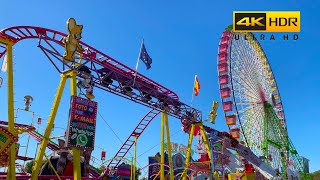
x=137, y=65
x=193, y=91
x=4, y=66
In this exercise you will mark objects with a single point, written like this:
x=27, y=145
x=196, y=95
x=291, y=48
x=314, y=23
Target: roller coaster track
x=105, y=70
x=138, y=130
x=38, y=137
x=109, y=75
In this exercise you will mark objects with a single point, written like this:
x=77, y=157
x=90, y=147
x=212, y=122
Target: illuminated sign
x=6, y=139
x=82, y=123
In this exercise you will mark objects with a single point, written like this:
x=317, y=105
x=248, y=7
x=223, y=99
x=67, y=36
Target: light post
x=32, y=118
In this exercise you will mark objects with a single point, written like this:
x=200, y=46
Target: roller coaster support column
x=11, y=174
x=76, y=152
x=162, y=147
x=169, y=147
x=206, y=143
x=165, y=124
x=205, y=139
x=184, y=174
x=54, y=109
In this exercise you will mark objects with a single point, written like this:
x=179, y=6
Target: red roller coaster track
x=144, y=91
x=38, y=137
x=143, y=124
x=109, y=75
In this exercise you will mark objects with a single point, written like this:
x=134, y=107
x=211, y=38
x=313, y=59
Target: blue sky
x=182, y=39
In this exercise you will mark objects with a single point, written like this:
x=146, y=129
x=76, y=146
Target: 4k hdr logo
x=273, y=21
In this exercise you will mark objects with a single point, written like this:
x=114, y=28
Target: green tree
x=138, y=173
x=230, y=27
x=28, y=166
x=101, y=168
x=315, y=175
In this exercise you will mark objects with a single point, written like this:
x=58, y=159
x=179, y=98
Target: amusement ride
x=257, y=145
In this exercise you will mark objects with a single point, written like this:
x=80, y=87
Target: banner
x=218, y=156
x=82, y=123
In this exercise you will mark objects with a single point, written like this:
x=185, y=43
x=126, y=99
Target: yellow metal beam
x=76, y=164
x=73, y=82
x=205, y=139
x=44, y=142
x=6, y=42
x=184, y=174
x=162, y=147
x=52, y=167
x=76, y=152
x=216, y=175
x=169, y=146
x=11, y=174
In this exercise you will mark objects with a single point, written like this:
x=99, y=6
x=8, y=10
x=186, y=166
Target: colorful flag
x=144, y=56
x=196, y=86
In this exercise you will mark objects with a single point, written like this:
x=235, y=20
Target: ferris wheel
x=247, y=89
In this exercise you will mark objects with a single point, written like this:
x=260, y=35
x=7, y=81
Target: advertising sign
x=82, y=123
x=6, y=139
